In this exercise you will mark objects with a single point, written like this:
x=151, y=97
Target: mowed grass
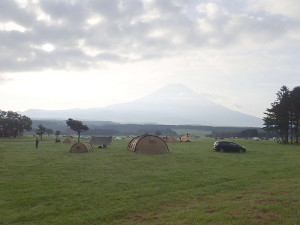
x=190, y=185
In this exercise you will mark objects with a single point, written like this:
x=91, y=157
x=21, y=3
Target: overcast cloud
x=84, y=34
x=251, y=41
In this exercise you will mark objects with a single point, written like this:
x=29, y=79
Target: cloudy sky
x=62, y=54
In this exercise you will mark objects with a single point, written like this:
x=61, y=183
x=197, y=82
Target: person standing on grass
x=37, y=143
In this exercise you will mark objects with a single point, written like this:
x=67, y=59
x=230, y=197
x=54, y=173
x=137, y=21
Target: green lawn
x=190, y=185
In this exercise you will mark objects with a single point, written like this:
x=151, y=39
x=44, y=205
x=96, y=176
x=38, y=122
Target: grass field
x=190, y=185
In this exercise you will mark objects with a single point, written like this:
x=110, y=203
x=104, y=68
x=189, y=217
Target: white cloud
x=130, y=30
x=218, y=47
x=287, y=8
x=12, y=26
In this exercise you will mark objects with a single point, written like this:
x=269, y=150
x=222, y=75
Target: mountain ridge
x=172, y=104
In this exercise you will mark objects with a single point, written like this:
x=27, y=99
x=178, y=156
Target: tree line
x=12, y=124
x=247, y=133
x=41, y=130
x=283, y=116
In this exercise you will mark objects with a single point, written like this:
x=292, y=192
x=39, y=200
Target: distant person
x=37, y=143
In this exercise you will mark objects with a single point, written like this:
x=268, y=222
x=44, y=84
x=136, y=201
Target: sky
x=64, y=54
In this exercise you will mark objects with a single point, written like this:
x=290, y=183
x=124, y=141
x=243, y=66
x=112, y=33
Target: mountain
x=173, y=105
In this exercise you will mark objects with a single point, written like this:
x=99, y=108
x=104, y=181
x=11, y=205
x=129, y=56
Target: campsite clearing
x=191, y=184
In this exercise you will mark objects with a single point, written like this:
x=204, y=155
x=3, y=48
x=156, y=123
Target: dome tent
x=148, y=144
x=68, y=141
x=81, y=147
x=186, y=138
x=170, y=139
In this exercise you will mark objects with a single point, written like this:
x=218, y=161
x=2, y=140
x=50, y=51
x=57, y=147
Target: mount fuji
x=171, y=105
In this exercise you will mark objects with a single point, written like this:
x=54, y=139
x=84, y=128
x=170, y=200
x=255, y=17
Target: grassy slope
x=190, y=185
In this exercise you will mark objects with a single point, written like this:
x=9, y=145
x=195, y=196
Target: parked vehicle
x=227, y=146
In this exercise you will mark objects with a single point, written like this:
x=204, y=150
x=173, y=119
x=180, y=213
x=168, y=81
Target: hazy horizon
x=172, y=105
x=71, y=54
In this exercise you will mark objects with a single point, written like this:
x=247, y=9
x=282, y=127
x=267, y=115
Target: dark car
x=227, y=146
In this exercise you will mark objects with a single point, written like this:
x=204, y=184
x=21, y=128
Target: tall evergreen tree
x=278, y=117
x=295, y=112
